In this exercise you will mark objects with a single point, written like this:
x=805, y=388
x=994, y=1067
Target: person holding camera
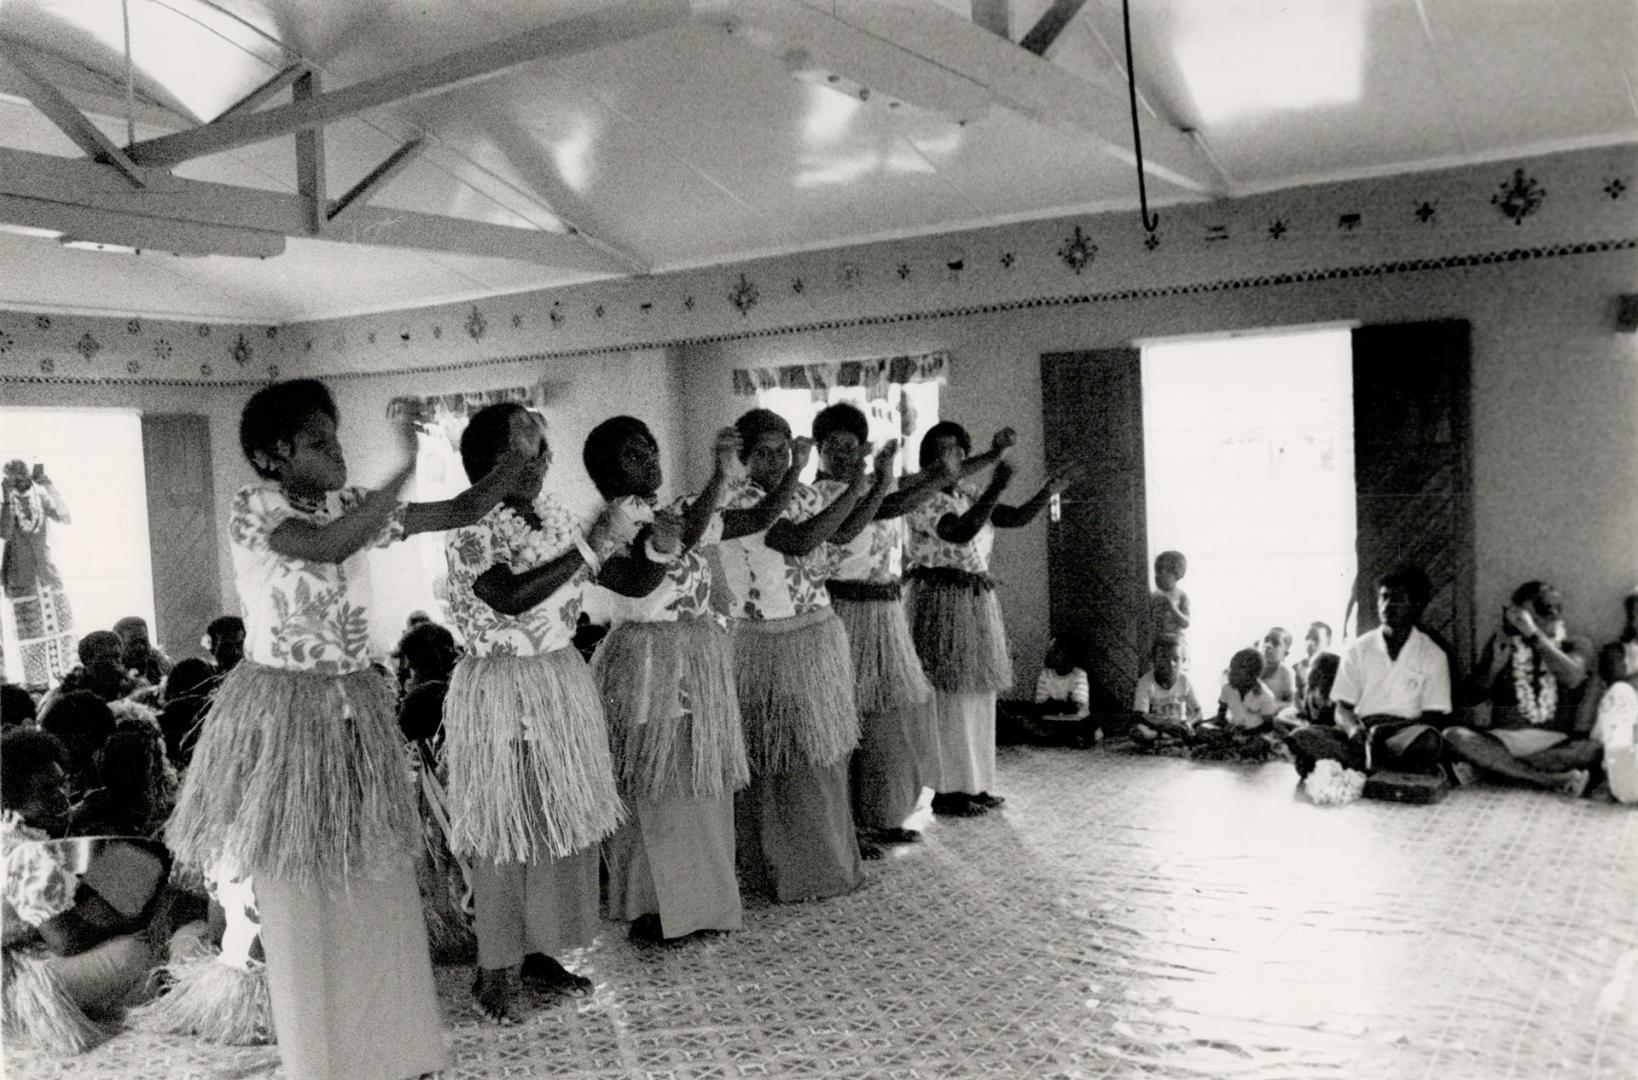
x=39, y=604
x=1531, y=675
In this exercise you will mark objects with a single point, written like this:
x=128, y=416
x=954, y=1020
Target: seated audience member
x=1164, y=701
x=1531, y=674
x=225, y=638
x=1616, y=720
x=187, y=696
x=101, y=671
x=1317, y=706
x=1062, y=693
x=1316, y=643
x=1276, y=674
x=142, y=659
x=132, y=799
x=16, y=707
x=428, y=653
x=1246, y=708
x=1392, y=690
x=82, y=722
x=72, y=953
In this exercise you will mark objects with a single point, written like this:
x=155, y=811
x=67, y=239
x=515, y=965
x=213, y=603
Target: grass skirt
x=673, y=711
x=297, y=776
x=795, y=681
x=39, y=1012
x=527, y=751
x=887, y=671
x=214, y=1001
x=959, y=635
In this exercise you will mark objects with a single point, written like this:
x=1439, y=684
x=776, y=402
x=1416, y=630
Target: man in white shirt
x=1392, y=690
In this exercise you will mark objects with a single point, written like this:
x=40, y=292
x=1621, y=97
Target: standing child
x=666, y=673
x=1165, y=702
x=298, y=778
x=531, y=786
x=1168, y=604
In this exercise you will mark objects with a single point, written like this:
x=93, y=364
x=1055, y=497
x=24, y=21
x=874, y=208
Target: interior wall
x=1555, y=406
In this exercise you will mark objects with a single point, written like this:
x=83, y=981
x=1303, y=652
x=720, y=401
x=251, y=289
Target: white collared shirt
x=1417, y=682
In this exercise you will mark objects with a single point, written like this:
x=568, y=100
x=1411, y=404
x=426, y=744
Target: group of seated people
x=1540, y=708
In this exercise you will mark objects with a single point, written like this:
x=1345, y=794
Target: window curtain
x=874, y=374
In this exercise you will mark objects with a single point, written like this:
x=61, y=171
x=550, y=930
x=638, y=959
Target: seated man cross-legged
x=1392, y=690
x=1531, y=675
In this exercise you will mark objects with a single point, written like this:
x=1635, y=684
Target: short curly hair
x=601, y=454
x=276, y=412
x=755, y=423
x=927, y=453
x=841, y=417
x=488, y=434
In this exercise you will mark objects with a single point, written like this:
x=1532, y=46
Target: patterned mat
x=1122, y=916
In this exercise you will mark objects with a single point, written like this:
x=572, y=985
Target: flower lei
x=26, y=509
x=529, y=547
x=1538, y=706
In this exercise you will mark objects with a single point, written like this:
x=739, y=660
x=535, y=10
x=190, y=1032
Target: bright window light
x=1242, y=58
x=94, y=457
x=885, y=415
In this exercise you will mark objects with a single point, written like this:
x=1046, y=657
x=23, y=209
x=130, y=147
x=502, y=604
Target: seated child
x=1317, y=707
x=1276, y=673
x=1062, y=692
x=1164, y=701
x=1244, y=725
x=187, y=696
x=1317, y=643
x=1616, y=728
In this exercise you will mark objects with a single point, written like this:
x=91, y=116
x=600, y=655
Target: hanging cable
x=1150, y=223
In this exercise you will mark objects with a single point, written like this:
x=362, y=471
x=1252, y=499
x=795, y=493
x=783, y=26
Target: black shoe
x=988, y=801
x=957, y=804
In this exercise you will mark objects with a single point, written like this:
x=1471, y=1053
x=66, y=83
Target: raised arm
x=758, y=518
x=53, y=505
x=513, y=594
x=868, y=508
x=800, y=538
x=961, y=528
x=338, y=540
x=640, y=570
x=697, y=516
x=1013, y=517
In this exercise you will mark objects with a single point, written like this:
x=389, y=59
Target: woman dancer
x=29, y=502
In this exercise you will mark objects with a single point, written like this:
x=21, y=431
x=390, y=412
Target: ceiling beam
x=367, y=188
x=310, y=160
x=60, y=111
x=68, y=181
x=592, y=30
x=92, y=92
x=1044, y=34
x=253, y=100
x=144, y=233
x=931, y=36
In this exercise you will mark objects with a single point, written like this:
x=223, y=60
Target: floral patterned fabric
x=503, y=537
x=301, y=615
x=763, y=583
x=686, y=591
x=876, y=555
x=927, y=548
x=38, y=887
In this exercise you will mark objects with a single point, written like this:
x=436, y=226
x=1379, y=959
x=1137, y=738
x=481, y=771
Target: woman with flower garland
x=955, y=616
x=666, y=673
x=29, y=502
x=298, y=778
x=1531, y=674
x=531, y=786
x=794, y=673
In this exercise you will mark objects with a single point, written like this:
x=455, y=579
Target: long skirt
x=959, y=632
x=299, y=780
x=527, y=750
x=896, y=728
x=794, y=823
x=679, y=752
x=546, y=906
x=966, y=741
x=351, y=985
x=675, y=859
x=45, y=635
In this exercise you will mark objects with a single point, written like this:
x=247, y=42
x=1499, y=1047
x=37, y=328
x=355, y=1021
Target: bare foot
x=1574, y=783
x=544, y=973
x=493, y=991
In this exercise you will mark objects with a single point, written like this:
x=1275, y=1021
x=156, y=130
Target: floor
x=1123, y=916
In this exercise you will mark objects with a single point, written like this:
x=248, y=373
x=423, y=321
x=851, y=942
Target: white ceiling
x=698, y=145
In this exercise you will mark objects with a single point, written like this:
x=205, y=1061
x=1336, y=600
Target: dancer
x=298, y=779
x=29, y=502
x=794, y=673
x=531, y=787
x=666, y=673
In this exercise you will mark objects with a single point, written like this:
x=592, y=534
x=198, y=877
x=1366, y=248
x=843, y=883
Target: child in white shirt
x=1164, y=700
x=1062, y=692
x=1243, y=726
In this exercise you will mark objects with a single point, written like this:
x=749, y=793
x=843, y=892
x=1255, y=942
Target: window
x=903, y=411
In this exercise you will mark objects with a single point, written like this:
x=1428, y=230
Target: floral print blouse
x=762, y=583
x=876, y=555
x=301, y=615
x=38, y=886
x=927, y=548
x=503, y=536
x=685, y=593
